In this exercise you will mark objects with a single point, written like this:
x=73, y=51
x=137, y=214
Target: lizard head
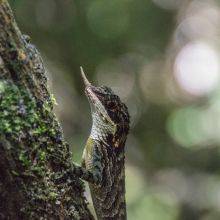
x=108, y=107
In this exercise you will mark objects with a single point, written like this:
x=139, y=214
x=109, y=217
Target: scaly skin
x=103, y=158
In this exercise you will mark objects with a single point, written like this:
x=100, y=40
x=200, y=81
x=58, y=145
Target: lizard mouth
x=94, y=96
x=91, y=95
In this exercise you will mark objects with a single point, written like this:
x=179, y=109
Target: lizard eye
x=111, y=105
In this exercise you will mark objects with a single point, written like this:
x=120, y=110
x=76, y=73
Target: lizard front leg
x=91, y=166
x=90, y=176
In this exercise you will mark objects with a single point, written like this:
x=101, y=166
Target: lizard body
x=103, y=156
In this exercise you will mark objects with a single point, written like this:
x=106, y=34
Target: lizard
x=103, y=160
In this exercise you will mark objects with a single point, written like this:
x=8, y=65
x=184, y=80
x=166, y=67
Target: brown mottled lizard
x=103, y=157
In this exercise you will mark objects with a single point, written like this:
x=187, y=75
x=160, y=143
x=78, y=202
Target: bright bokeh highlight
x=197, y=68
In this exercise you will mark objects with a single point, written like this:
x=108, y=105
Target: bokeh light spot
x=196, y=68
x=186, y=127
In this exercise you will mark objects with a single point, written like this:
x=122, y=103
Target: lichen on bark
x=33, y=152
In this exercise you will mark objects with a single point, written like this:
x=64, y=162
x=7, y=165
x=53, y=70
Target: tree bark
x=34, y=157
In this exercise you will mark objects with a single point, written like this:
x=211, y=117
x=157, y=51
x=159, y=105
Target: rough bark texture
x=34, y=157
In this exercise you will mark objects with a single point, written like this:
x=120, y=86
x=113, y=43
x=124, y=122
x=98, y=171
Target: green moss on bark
x=31, y=127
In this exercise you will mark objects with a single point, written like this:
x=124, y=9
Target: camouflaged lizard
x=103, y=157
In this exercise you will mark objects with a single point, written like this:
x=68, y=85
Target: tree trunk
x=34, y=157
